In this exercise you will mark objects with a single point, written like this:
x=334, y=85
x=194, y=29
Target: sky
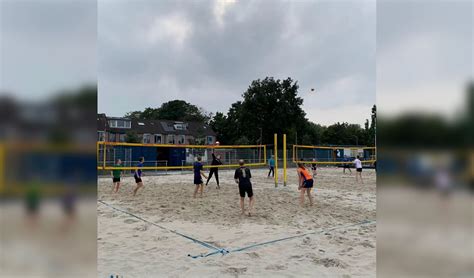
x=47, y=46
x=424, y=56
x=415, y=54
x=208, y=53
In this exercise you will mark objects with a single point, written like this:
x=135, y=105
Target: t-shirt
x=197, y=169
x=357, y=163
x=243, y=175
x=271, y=162
x=215, y=160
x=304, y=173
x=139, y=171
x=116, y=172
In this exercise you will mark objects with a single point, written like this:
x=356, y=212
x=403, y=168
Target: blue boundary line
x=366, y=222
x=205, y=244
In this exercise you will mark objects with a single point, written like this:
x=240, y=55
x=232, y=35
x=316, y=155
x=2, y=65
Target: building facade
x=115, y=129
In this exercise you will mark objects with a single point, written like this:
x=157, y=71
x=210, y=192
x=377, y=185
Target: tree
x=132, y=137
x=270, y=105
x=175, y=110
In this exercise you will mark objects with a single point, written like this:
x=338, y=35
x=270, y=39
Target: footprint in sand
x=236, y=270
x=253, y=255
x=276, y=267
x=367, y=244
x=130, y=221
x=328, y=262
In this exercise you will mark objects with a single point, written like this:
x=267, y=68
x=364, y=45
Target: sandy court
x=133, y=248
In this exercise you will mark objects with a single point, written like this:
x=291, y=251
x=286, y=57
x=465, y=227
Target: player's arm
x=202, y=173
x=236, y=176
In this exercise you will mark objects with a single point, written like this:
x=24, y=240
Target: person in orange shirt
x=305, y=183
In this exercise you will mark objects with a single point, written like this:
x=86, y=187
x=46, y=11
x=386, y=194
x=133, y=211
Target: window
x=120, y=124
x=146, y=138
x=180, y=126
x=158, y=139
x=112, y=137
x=181, y=139
x=170, y=139
x=210, y=140
x=122, y=137
x=100, y=136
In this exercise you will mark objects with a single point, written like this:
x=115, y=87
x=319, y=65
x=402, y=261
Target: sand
x=133, y=248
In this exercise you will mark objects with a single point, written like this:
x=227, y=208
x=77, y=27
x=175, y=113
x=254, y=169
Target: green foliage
x=273, y=106
x=132, y=137
x=269, y=105
x=175, y=110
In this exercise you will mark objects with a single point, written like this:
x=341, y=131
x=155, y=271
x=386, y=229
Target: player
x=242, y=177
x=358, y=166
x=116, y=176
x=198, y=174
x=216, y=160
x=271, y=165
x=138, y=175
x=305, y=183
x=346, y=165
x=314, y=168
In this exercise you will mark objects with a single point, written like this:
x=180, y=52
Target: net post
x=275, y=142
x=105, y=155
x=284, y=159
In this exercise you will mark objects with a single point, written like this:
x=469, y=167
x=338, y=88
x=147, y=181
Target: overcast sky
x=424, y=56
x=208, y=52
x=46, y=46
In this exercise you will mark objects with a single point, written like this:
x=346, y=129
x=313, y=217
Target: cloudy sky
x=46, y=46
x=208, y=52
x=424, y=56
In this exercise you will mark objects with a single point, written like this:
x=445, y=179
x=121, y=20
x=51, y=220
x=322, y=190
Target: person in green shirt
x=116, y=175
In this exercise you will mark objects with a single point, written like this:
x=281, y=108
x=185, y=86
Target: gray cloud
x=47, y=45
x=151, y=52
x=424, y=55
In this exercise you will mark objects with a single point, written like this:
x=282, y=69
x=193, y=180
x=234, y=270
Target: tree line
x=268, y=106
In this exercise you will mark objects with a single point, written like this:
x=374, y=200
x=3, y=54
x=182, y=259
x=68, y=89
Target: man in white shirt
x=358, y=166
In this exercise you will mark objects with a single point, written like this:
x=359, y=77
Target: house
x=115, y=129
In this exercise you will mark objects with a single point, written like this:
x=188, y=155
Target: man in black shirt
x=216, y=160
x=242, y=177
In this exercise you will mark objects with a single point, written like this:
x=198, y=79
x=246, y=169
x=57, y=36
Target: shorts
x=313, y=168
x=245, y=189
x=198, y=180
x=359, y=169
x=346, y=166
x=137, y=179
x=116, y=180
x=308, y=183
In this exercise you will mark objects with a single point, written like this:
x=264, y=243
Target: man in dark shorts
x=116, y=173
x=242, y=177
x=198, y=174
x=138, y=175
x=216, y=160
x=346, y=165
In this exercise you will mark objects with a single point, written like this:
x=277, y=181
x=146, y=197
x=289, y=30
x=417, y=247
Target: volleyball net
x=334, y=155
x=163, y=157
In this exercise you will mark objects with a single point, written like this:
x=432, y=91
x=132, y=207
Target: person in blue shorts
x=198, y=174
x=138, y=175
